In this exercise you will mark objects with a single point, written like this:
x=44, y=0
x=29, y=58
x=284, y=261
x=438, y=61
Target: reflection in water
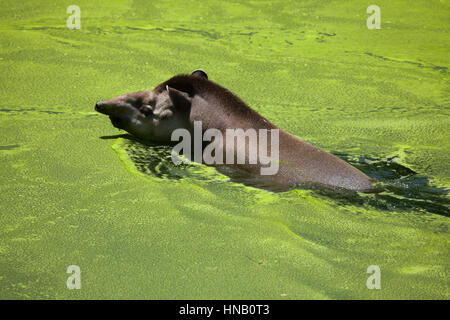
x=404, y=189
x=156, y=160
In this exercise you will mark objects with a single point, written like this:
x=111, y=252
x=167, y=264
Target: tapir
x=197, y=105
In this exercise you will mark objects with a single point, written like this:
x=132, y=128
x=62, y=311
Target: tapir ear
x=199, y=73
x=179, y=99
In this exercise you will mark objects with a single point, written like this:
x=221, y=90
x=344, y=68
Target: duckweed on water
x=73, y=192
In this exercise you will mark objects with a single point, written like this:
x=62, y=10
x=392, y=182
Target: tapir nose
x=99, y=105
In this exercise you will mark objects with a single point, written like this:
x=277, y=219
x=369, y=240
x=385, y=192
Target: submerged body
x=182, y=100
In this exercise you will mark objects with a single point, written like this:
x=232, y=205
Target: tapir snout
x=100, y=106
x=115, y=108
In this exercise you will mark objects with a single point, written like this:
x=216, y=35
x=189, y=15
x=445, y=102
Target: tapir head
x=150, y=115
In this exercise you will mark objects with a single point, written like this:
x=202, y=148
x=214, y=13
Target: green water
x=73, y=192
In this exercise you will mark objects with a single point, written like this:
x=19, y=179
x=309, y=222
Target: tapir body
x=186, y=99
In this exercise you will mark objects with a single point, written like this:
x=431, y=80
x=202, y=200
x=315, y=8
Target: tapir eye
x=146, y=110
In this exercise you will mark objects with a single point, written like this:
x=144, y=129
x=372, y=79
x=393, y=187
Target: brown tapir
x=184, y=101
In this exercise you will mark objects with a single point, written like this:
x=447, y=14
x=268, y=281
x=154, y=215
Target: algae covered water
x=75, y=191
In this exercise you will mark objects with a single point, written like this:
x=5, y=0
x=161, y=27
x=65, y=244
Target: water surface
x=75, y=191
